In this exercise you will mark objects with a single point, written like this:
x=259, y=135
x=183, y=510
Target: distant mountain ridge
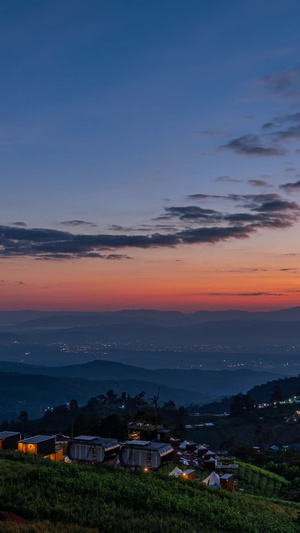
x=207, y=383
x=230, y=332
x=68, y=319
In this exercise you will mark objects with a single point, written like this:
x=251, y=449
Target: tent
x=183, y=445
x=176, y=472
x=213, y=480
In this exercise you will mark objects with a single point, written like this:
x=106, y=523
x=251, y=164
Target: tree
x=242, y=405
x=111, y=396
x=170, y=405
x=276, y=395
x=73, y=405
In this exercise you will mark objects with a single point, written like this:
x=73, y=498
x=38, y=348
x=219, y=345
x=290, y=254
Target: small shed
x=9, y=440
x=227, y=482
x=145, y=454
x=160, y=434
x=189, y=474
x=191, y=447
x=39, y=444
x=202, y=450
x=92, y=449
x=210, y=464
x=175, y=442
x=208, y=455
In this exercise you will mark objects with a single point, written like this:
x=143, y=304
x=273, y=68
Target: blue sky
x=112, y=112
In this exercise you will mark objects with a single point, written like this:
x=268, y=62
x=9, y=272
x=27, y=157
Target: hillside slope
x=112, y=500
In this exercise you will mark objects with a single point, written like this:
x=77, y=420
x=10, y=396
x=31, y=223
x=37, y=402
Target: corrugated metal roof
x=86, y=437
x=226, y=476
x=37, y=439
x=6, y=434
x=100, y=441
x=161, y=447
x=138, y=442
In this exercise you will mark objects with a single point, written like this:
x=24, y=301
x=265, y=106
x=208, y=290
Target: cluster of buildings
x=92, y=449
x=132, y=454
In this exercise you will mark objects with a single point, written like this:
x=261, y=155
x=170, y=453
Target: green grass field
x=70, y=498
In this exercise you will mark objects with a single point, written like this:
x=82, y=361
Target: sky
x=150, y=154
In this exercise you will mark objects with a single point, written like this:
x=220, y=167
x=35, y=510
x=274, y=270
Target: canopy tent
x=176, y=472
x=213, y=480
x=183, y=445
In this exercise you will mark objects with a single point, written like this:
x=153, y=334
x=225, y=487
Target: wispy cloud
x=75, y=223
x=291, y=187
x=240, y=294
x=258, y=183
x=20, y=224
x=253, y=145
x=227, y=179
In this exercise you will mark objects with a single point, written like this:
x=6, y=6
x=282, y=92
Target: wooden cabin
x=39, y=444
x=210, y=464
x=191, y=447
x=9, y=440
x=145, y=454
x=175, y=442
x=92, y=449
x=227, y=482
x=189, y=474
x=202, y=450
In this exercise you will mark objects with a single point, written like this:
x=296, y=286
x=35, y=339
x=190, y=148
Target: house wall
x=57, y=457
x=46, y=447
x=132, y=457
x=81, y=452
x=10, y=443
x=27, y=448
x=142, y=458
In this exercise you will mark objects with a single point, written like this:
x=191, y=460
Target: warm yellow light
x=146, y=469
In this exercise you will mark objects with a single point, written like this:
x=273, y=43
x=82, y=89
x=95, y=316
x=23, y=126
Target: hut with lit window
x=41, y=445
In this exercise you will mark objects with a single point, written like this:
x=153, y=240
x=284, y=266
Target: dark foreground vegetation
x=64, y=497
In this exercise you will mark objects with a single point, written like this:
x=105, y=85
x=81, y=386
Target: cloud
x=227, y=179
x=258, y=183
x=291, y=187
x=277, y=121
x=243, y=270
x=263, y=211
x=241, y=294
x=284, y=84
x=50, y=244
x=202, y=225
x=20, y=224
x=251, y=145
x=192, y=212
x=20, y=282
x=277, y=205
x=117, y=257
x=288, y=269
x=201, y=196
x=78, y=223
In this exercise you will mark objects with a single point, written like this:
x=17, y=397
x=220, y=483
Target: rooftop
x=6, y=434
x=37, y=439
